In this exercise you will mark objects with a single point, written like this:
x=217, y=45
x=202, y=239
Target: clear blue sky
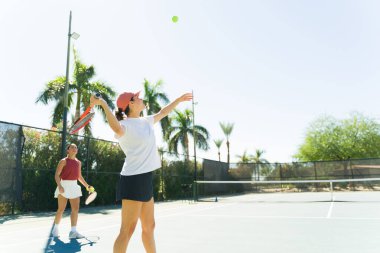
x=271, y=67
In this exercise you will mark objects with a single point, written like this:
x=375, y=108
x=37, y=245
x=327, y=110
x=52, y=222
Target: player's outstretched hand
x=185, y=97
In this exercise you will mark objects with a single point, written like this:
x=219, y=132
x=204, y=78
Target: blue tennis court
x=260, y=223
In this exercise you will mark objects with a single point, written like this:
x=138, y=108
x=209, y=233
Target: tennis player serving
x=135, y=188
x=67, y=174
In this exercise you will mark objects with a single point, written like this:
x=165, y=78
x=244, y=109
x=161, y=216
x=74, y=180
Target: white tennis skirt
x=72, y=189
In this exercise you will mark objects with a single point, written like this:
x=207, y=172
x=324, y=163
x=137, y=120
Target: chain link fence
x=29, y=157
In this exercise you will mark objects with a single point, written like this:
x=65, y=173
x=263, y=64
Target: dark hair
x=120, y=114
x=68, y=145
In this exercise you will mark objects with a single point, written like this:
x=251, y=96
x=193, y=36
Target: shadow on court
x=4, y=219
x=58, y=246
x=84, y=210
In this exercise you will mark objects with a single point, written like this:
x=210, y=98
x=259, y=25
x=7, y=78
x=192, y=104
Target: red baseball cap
x=124, y=99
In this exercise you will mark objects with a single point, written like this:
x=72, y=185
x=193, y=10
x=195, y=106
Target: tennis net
x=356, y=190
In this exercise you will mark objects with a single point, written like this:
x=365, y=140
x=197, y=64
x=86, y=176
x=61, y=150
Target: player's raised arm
x=170, y=107
x=111, y=118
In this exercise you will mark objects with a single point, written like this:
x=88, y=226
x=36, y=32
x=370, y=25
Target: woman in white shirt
x=137, y=140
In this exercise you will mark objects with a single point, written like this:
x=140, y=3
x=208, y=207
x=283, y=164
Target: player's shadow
x=58, y=246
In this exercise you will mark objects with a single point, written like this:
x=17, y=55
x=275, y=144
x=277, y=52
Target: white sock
x=55, y=227
x=74, y=229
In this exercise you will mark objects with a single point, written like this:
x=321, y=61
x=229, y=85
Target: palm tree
x=227, y=130
x=180, y=130
x=258, y=159
x=152, y=96
x=244, y=158
x=218, y=144
x=81, y=86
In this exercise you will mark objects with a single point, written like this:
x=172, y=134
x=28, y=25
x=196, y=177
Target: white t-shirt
x=139, y=146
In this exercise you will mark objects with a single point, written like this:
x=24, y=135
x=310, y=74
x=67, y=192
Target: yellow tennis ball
x=90, y=189
x=175, y=19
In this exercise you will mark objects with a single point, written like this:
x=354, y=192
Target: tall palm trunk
x=186, y=147
x=228, y=152
x=77, y=106
x=227, y=129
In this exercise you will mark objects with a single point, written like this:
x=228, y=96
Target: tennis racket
x=91, y=195
x=84, y=119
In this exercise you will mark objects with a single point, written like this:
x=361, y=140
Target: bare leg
x=62, y=202
x=74, y=203
x=148, y=225
x=130, y=214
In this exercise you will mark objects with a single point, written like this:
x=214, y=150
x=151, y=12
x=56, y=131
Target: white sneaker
x=55, y=233
x=75, y=235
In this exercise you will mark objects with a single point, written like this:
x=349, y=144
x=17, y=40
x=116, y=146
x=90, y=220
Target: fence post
x=352, y=184
x=195, y=197
x=316, y=175
x=162, y=179
x=258, y=171
x=281, y=175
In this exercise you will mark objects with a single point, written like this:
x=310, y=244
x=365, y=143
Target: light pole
x=65, y=109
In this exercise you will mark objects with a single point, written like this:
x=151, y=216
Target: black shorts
x=136, y=187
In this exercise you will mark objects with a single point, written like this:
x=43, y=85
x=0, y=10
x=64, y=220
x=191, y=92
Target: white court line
x=330, y=208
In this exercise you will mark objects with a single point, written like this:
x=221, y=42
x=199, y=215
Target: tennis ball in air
x=175, y=19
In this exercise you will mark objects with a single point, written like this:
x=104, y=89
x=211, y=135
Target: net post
x=331, y=191
x=195, y=197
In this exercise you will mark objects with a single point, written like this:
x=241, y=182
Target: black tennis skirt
x=136, y=187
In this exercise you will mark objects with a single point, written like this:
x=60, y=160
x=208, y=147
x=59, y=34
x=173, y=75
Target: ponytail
x=120, y=115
